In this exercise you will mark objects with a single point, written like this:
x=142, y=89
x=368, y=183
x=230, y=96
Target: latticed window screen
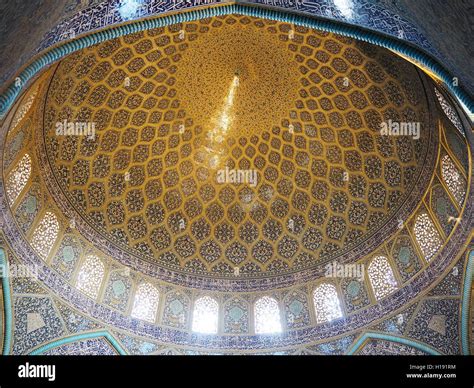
x=90, y=276
x=326, y=303
x=267, y=316
x=449, y=111
x=45, y=234
x=23, y=109
x=18, y=178
x=205, y=315
x=381, y=277
x=453, y=179
x=427, y=236
x=145, y=304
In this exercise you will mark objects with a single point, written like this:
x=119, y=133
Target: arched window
x=453, y=178
x=427, y=236
x=45, y=234
x=145, y=303
x=449, y=111
x=90, y=276
x=23, y=109
x=205, y=315
x=18, y=178
x=381, y=277
x=267, y=316
x=326, y=303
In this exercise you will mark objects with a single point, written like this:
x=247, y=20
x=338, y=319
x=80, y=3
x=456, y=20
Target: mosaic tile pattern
x=452, y=282
x=397, y=324
x=18, y=140
x=236, y=316
x=355, y=294
x=141, y=190
x=109, y=13
x=35, y=323
x=67, y=255
x=29, y=207
x=272, y=339
x=369, y=15
x=443, y=208
x=50, y=279
x=18, y=178
x=336, y=347
x=377, y=347
x=25, y=285
x=118, y=291
x=436, y=323
x=176, y=310
x=453, y=178
x=384, y=16
x=296, y=310
x=457, y=145
x=449, y=111
x=23, y=110
x=122, y=256
x=137, y=346
x=405, y=256
x=88, y=347
x=74, y=321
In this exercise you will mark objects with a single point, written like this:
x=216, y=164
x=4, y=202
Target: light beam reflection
x=222, y=124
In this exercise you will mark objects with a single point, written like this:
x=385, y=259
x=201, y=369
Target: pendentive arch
x=362, y=341
x=80, y=337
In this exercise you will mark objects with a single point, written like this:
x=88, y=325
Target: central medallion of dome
x=174, y=109
x=238, y=80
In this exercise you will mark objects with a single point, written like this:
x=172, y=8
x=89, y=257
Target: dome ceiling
x=177, y=109
x=146, y=232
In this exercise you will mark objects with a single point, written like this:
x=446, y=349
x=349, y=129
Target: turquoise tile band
x=399, y=46
x=80, y=337
x=7, y=304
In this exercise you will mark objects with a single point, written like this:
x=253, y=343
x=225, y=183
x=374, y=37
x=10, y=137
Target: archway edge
x=353, y=31
x=80, y=337
x=359, y=344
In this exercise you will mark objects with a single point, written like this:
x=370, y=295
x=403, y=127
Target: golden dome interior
x=234, y=167
x=175, y=107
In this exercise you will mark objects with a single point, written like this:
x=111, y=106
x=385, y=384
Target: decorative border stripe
x=7, y=305
x=80, y=337
x=405, y=341
x=465, y=306
x=352, y=350
x=356, y=32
